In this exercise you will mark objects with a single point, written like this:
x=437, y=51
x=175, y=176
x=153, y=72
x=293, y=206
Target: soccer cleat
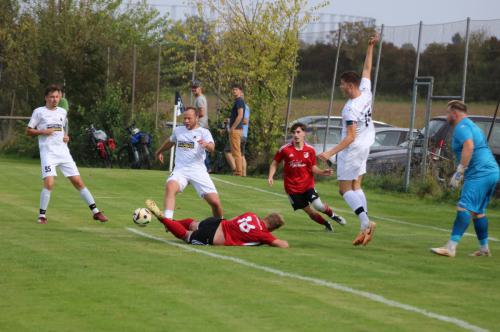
x=339, y=219
x=480, y=253
x=328, y=227
x=369, y=232
x=42, y=220
x=359, y=239
x=443, y=251
x=101, y=217
x=151, y=205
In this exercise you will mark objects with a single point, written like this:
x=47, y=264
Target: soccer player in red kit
x=244, y=230
x=299, y=169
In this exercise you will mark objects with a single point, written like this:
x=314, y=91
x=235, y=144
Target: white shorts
x=67, y=168
x=199, y=178
x=351, y=162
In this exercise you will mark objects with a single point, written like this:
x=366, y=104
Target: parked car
x=336, y=121
x=440, y=133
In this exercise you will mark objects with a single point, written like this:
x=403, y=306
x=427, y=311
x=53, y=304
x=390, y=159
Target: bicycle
x=136, y=153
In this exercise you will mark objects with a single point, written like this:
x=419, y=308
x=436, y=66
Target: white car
x=335, y=121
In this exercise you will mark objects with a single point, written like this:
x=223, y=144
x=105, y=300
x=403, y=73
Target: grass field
x=76, y=275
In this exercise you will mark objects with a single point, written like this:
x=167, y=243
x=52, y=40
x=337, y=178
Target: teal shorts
x=476, y=193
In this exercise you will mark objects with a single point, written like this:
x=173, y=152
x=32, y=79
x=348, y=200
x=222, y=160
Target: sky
x=403, y=12
x=399, y=12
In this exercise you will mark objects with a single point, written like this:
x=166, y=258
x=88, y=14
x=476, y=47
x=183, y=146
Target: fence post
x=134, y=65
x=412, y=112
x=377, y=65
x=466, y=58
x=332, y=92
x=107, y=67
x=158, y=87
x=428, y=107
x=12, y=107
x=290, y=96
x=193, y=76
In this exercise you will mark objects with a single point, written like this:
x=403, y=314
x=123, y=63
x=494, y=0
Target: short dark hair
x=351, y=77
x=195, y=84
x=298, y=125
x=237, y=86
x=51, y=88
x=458, y=105
x=187, y=108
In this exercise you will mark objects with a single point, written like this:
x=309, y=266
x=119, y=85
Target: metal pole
x=12, y=107
x=493, y=121
x=430, y=91
x=377, y=66
x=133, y=80
x=332, y=92
x=466, y=58
x=290, y=96
x=172, y=150
x=413, y=111
x=107, y=69
x=193, y=76
x=158, y=87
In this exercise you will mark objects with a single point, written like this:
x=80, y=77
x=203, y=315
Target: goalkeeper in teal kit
x=479, y=172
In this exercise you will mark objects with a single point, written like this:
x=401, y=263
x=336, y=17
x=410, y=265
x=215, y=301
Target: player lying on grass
x=299, y=168
x=244, y=230
x=479, y=170
x=48, y=123
x=191, y=143
x=358, y=134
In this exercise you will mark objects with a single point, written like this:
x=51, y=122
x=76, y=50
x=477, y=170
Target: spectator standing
x=236, y=128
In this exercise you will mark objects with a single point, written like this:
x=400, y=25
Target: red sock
x=175, y=228
x=185, y=222
x=318, y=218
x=328, y=211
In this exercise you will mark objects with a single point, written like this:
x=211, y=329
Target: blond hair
x=457, y=105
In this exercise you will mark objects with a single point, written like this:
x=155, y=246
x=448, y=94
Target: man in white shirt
x=48, y=123
x=358, y=134
x=191, y=142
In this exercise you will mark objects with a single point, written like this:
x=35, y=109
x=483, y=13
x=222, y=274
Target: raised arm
x=367, y=68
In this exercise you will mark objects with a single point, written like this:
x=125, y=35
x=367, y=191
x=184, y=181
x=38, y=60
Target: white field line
x=396, y=221
x=319, y=282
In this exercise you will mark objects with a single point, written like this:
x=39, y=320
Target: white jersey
x=188, y=152
x=53, y=150
x=359, y=111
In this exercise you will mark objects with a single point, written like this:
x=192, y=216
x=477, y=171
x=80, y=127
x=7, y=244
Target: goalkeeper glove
x=457, y=177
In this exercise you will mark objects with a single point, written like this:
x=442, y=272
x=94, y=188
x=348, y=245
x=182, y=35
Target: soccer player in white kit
x=191, y=142
x=48, y=123
x=358, y=134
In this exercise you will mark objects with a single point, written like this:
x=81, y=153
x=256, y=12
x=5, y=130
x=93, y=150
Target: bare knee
x=77, y=182
x=48, y=183
x=212, y=199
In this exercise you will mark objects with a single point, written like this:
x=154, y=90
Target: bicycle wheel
x=145, y=157
x=123, y=157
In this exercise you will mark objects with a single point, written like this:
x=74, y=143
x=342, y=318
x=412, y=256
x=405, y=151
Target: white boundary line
x=343, y=210
x=319, y=282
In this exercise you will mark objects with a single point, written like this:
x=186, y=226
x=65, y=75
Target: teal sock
x=462, y=221
x=481, y=227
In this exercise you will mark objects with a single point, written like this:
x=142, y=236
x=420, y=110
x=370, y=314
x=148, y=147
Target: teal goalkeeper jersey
x=482, y=162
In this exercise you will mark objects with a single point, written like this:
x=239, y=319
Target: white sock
x=452, y=245
x=87, y=197
x=169, y=214
x=362, y=197
x=354, y=202
x=44, y=201
x=484, y=248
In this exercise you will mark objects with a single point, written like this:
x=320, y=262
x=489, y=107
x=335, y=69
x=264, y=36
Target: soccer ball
x=141, y=217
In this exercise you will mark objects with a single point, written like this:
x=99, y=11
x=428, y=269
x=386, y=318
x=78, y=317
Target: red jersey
x=298, y=166
x=246, y=230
